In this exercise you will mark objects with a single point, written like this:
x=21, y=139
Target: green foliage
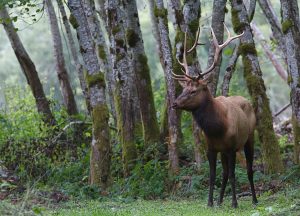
x=28, y=146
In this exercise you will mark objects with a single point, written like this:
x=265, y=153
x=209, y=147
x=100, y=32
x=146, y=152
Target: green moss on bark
x=151, y=131
x=94, y=79
x=247, y=48
x=286, y=25
x=115, y=30
x=238, y=26
x=101, y=149
x=101, y=52
x=120, y=43
x=132, y=37
x=193, y=26
x=119, y=56
x=129, y=153
x=296, y=131
x=289, y=79
x=271, y=151
x=161, y=13
x=73, y=21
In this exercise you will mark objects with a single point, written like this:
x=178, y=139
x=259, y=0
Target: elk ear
x=182, y=83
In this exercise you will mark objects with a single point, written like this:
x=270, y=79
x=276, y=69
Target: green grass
x=283, y=203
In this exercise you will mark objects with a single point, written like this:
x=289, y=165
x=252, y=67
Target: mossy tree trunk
x=164, y=131
x=125, y=89
x=257, y=90
x=66, y=89
x=173, y=122
x=100, y=148
x=78, y=65
x=142, y=74
x=217, y=23
x=102, y=51
x=291, y=30
x=186, y=19
x=28, y=68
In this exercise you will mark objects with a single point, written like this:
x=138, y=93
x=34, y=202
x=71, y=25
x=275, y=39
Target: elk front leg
x=212, y=158
x=224, y=160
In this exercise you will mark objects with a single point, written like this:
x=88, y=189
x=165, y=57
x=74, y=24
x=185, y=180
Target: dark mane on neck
x=209, y=120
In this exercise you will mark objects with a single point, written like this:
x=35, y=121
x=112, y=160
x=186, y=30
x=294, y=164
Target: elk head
x=195, y=90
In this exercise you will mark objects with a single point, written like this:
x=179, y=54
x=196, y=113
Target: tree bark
x=78, y=65
x=217, y=23
x=100, y=148
x=124, y=91
x=164, y=131
x=186, y=19
x=257, y=90
x=102, y=51
x=229, y=70
x=142, y=74
x=267, y=49
x=272, y=18
x=61, y=70
x=291, y=30
x=173, y=121
x=28, y=68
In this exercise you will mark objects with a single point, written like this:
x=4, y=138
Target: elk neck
x=209, y=118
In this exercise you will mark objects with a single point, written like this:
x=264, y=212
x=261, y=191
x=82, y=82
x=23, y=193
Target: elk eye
x=193, y=92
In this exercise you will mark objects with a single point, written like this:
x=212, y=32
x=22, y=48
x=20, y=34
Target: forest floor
x=285, y=201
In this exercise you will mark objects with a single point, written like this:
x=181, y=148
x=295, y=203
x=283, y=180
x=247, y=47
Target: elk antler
x=218, y=49
x=184, y=63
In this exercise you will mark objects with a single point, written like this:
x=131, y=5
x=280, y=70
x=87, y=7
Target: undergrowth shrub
x=30, y=148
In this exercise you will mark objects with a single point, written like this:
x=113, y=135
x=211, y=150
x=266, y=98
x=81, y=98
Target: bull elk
x=228, y=123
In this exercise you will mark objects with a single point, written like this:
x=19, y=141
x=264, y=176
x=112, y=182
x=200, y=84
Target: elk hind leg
x=249, y=154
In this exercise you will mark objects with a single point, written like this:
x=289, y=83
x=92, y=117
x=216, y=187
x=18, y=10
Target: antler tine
x=183, y=64
x=229, y=39
x=196, y=41
x=218, y=49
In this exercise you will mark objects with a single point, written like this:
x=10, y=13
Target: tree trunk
x=62, y=74
x=100, y=148
x=124, y=91
x=272, y=18
x=257, y=90
x=142, y=74
x=102, y=50
x=173, y=121
x=229, y=70
x=217, y=23
x=291, y=30
x=267, y=49
x=164, y=131
x=28, y=68
x=186, y=19
x=78, y=65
